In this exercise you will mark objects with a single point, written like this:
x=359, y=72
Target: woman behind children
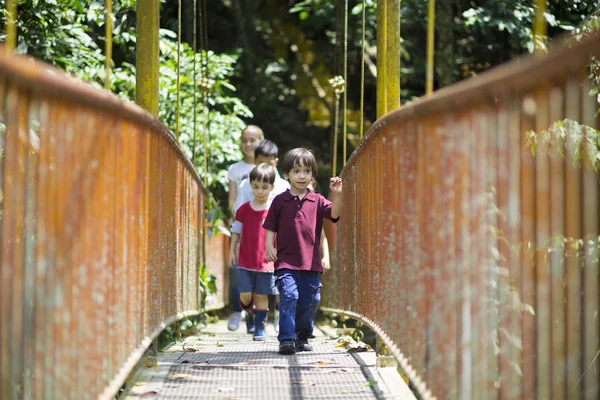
x=255, y=274
x=297, y=217
x=251, y=136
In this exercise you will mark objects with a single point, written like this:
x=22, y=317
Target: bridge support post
x=147, y=56
x=388, y=56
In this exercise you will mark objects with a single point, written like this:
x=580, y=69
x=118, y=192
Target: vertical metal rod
x=381, y=57
x=345, y=105
x=388, y=56
x=539, y=24
x=362, y=72
x=335, y=135
x=178, y=114
x=205, y=77
x=108, y=42
x=392, y=76
x=11, y=25
x=430, y=46
x=195, y=45
x=148, y=23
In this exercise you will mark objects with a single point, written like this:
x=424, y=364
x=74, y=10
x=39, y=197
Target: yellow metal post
x=430, y=46
x=362, y=71
x=539, y=24
x=388, y=56
x=11, y=25
x=148, y=23
x=108, y=43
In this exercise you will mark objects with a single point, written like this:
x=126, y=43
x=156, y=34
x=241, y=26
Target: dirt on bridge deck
x=218, y=364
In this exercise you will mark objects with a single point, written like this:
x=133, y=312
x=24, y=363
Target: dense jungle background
x=269, y=62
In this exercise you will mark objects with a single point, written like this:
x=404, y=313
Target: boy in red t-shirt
x=255, y=275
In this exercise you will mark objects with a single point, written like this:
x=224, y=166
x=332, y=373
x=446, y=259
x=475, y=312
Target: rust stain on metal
x=475, y=258
x=101, y=219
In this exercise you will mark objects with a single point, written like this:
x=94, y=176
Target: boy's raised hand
x=335, y=185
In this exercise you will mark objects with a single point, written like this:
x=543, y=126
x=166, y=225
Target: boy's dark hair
x=299, y=156
x=263, y=173
x=266, y=148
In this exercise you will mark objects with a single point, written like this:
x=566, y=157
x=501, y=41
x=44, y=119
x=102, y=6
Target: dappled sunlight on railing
x=477, y=258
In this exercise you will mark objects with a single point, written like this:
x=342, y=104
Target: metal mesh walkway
x=218, y=364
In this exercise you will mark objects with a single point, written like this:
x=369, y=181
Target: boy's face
x=261, y=190
x=250, y=139
x=267, y=160
x=299, y=177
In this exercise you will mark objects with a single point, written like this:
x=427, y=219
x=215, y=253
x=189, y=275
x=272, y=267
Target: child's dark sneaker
x=287, y=347
x=259, y=335
x=303, y=345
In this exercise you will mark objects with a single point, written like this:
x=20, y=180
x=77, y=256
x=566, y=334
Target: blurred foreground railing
x=101, y=226
x=478, y=259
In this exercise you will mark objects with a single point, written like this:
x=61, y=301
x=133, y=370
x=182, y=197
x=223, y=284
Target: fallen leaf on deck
x=303, y=383
x=190, y=349
x=147, y=394
x=180, y=376
x=220, y=344
x=359, y=348
x=370, y=383
x=321, y=363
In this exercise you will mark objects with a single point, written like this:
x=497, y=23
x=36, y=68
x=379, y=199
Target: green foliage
x=70, y=35
x=208, y=282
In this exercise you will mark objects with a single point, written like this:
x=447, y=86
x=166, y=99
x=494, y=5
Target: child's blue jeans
x=300, y=294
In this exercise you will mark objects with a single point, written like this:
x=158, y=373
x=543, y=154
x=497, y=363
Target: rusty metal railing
x=476, y=259
x=101, y=226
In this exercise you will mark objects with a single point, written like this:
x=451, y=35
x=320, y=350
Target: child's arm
x=335, y=188
x=235, y=238
x=325, y=252
x=232, y=194
x=270, y=250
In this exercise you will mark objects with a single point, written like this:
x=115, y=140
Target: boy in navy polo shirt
x=255, y=273
x=297, y=217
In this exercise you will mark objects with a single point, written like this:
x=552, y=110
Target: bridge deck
x=218, y=364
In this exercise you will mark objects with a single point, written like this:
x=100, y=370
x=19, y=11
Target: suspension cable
x=430, y=46
x=195, y=46
x=108, y=26
x=345, y=105
x=338, y=85
x=11, y=25
x=362, y=72
x=205, y=77
x=178, y=113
